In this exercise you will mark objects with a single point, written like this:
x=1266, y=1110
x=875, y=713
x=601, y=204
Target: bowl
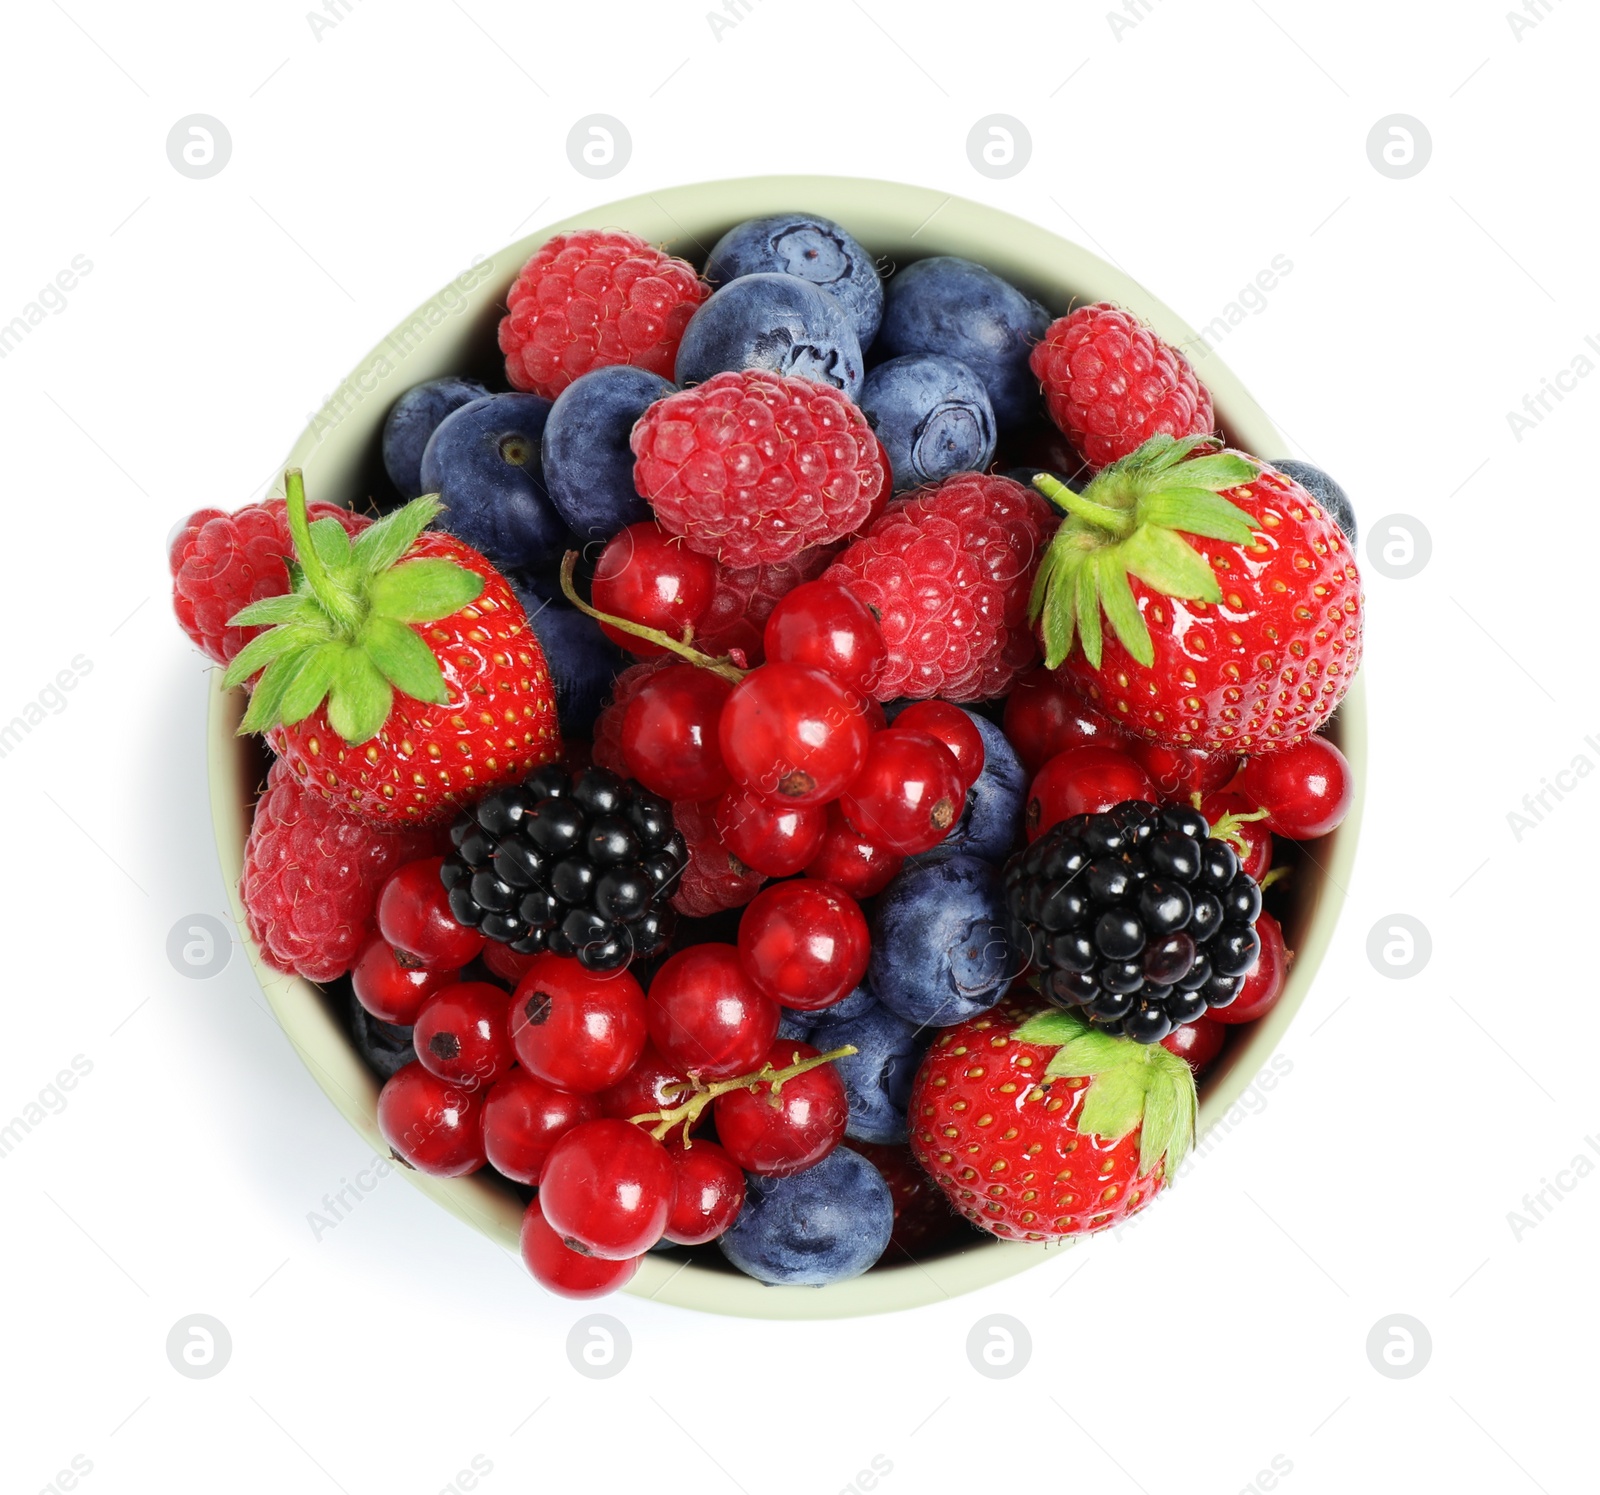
x=453, y=332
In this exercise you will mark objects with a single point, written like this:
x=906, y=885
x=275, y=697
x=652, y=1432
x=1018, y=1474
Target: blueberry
x=795, y=1025
x=823, y=1225
x=810, y=248
x=952, y=306
x=385, y=1046
x=847, y=1009
x=932, y=415
x=774, y=322
x=991, y=821
x=583, y=661
x=483, y=462
x=940, y=953
x=1322, y=488
x=877, y=1077
x=413, y=418
x=588, y=464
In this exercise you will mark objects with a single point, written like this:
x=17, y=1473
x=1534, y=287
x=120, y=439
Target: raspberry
x=752, y=467
x=744, y=599
x=947, y=572
x=607, y=751
x=223, y=562
x=594, y=298
x=715, y=879
x=1110, y=383
x=312, y=876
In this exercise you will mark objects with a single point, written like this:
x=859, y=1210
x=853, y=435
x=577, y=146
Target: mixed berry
x=813, y=765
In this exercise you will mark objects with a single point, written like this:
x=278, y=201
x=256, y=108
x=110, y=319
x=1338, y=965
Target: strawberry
x=1233, y=598
x=1037, y=1126
x=399, y=676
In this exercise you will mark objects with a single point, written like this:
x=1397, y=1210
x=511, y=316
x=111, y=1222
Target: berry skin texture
x=391, y=989
x=1179, y=772
x=646, y=578
x=1306, y=790
x=990, y=822
x=576, y=1029
x=822, y=625
x=1110, y=384
x=933, y=416
x=769, y=838
x=709, y=1192
x=746, y=597
x=1264, y=983
x=715, y=878
x=523, y=1118
x=1233, y=818
x=804, y=943
x=593, y=298
x=413, y=419
x=1044, y=716
x=461, y=1036
x=909, y=791
x=923, y=1217
x=1083, y=781
x=1198, y=1044
x=669, y=736
x=559, y=1269
x=793, y=734
x=952, y=726
x=753, y=468
x=312, y=876
x=432, y=1125
x=221, y=563
x=707, y=1016
x=414, y=917
x=947, y=573
x=606, y=1189
x=1027, y=1155
x=850, y=861
x=803, y=1127
x=1324, y=489
x=653, y=1084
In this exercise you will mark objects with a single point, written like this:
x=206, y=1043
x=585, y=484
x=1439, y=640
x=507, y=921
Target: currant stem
x=1227, y=828
x=332, y=597
x=688, y=1113
x=723, y=666
x=1115, y=521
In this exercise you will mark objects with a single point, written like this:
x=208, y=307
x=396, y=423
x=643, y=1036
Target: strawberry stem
x=344, y=611
x=1118, y=522
x=688, y=1112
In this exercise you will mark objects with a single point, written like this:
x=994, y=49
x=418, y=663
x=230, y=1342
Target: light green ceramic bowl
x=454, y=332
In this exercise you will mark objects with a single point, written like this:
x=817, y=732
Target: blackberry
x=579, y=865
x=1137, y=918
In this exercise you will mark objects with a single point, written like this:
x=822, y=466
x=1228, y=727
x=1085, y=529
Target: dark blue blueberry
x=413, y=418
x=823, y=1225
x=857, y=1004
x=991, y=820
x=1322, y=488
x=939, y=948
x=932, y=415
x=385, y=1046
x=811, y=248
x=877, y=1077
x=583, y=661
x=952, y=306
x=795, y=1025
x=483, y=462
x=774, y=322
x=588, y=464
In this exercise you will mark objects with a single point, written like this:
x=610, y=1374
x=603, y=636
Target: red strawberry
x=1038, y=1126
x=1233, y=599
x=400, y=677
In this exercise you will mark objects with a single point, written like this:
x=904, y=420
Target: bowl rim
x=332, y=450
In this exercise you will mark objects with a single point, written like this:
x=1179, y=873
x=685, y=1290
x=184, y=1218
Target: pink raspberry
x=752, y=467
x=1111, y=384
x=223, y=562
x=594, y=298
x=744, y=599
x=607, y=752
x=312, y=876
x=715, y=878
x=948, y=571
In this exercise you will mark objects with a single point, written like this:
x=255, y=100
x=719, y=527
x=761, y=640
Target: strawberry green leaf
x=331, y=543
x=1122, y=611
x=271, y=610
x=1221, y=471
x=359, y=699
x=404, y=660
x=266, y=699
x=266, y=647
x=1088, y=610
x=382, y=544
x=1164, y=560
x=311, y=684
x=1199, y=513
x=1051, y=1028
x=423, y=591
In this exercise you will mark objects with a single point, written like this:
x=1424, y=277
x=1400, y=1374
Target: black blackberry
x=1136, y=917
x=579, y=865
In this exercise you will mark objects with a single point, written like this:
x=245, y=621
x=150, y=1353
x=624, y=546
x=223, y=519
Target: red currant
x=523, y=1118
x=821, y=624
x=1306, y=789
x=774, y=840
x=1264, y=982
x=708, y=1016
x=908, y=794
x=1197, y=1043
x=848, y=860
x=1083, y=781
x=559, y=1269
x=788, y=1131
x=954, y=728
x=804, y=943
x=462, y=1034
x=431, y=1124
x=669, y=733
x=653, y=1084
x=607, y=1188
x=793, y=734
x=504, y=963
x=1257, y=855
x=414, y=917
x=390, y=987
x=576, y=1029
x=710, y=1192
x=1044, y=717
x=1178, y=772
x=647, y=578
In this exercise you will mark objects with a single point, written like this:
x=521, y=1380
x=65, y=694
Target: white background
x=1228, y=1327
